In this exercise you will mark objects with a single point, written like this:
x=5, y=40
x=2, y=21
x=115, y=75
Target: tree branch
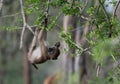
x=104, y=10
x=108, y=19
x=46, y=14
x=25, y=25
x=12, y=15
x=116, y=7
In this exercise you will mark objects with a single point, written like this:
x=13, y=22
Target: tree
x=26, y=64
x=90, y=37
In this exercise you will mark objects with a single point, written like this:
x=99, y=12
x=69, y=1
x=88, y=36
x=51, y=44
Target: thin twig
x=46, y=14
x=108, y=19
x=47, y=6
x=29, y=28
x=98, y=70
x=104, y=10
x=12, y=15
x=85, y=18
x=72, y=3
x=86, y=4
x=34, y=26
x=25, y=25
x=116, y=7
x=84, y=50
x=82, y=11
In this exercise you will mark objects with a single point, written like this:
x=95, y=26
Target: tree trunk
x=1, y=4
x=2, y=59
x=26, y=72
x=26, y=65
x=69, y=61
x=2, y=68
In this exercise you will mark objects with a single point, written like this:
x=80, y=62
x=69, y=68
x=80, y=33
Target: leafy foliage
x=105, y=48
x=68, y=39
x=104, y=39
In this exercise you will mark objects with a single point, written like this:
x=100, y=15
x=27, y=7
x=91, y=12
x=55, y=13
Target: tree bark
x=1, y=4
x=3, y=59
x=26, y=72
x=69, y=61
x=3, y=64
x=26, y=65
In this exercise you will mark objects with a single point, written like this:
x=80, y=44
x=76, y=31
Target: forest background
x=87, y=29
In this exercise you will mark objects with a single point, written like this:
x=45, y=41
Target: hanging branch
x=116, y=7
x=46, y=14
x=25, y=25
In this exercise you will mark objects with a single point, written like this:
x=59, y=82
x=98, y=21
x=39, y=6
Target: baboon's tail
x=35, y=66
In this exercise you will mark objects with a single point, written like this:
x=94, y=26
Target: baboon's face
x=51, y=50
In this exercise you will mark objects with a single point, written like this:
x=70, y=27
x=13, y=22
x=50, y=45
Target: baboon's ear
x=57, y=44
